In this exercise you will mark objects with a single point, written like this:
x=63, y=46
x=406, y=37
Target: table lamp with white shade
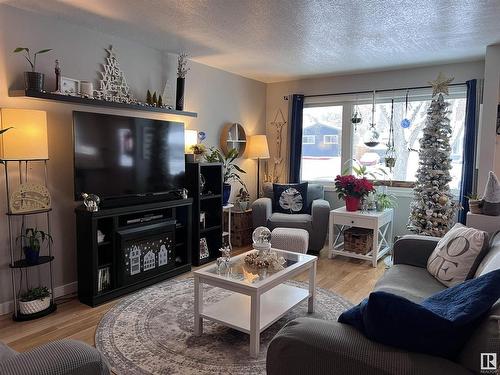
x=27, y=140
x=257, y=148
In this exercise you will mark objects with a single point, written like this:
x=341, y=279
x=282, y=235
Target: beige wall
x=217, y=96
x=361, y=82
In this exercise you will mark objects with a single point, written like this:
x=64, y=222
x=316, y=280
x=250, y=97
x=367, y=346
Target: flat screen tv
x=120, y=157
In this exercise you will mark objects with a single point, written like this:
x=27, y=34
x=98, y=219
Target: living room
x=283, y=100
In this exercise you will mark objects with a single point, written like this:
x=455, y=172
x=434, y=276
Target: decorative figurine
x=57, y=70
x=91, y=202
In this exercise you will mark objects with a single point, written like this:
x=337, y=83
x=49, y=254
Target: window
x=325, y=119
x=330, y=139
x=321, y=161
x=308, y=139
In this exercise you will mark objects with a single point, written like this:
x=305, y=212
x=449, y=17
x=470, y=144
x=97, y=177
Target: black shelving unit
x=120, y=227
x=21, y=267
x=209, y=201
x=94, y=102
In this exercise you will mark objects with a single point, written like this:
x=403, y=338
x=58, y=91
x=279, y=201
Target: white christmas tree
x=113, y=85
x=433, y=209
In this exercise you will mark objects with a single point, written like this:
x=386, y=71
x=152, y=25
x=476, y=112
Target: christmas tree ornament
x=113, y=85
x=371, y=138
x=390, y=154
x=405, y=123
x=356, y=116
x=432, y=193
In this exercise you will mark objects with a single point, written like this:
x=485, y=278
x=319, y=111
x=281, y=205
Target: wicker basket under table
x=358, y=240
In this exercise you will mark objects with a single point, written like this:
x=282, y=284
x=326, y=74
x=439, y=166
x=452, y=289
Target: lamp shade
x=190, y=139
x=257, y=147
x=28, y=138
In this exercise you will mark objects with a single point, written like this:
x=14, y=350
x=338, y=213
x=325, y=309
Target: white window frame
x=308, y=136
x=334, y=141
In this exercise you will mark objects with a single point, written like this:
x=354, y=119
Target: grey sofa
x=313, y=346
x=316, y=223
x=64, y=357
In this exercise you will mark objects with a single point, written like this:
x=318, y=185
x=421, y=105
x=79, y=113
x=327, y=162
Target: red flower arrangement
x=350, y=186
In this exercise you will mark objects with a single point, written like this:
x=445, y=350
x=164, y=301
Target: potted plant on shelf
x=384, y=201
x=34, y=300
x=33, y=80
x=231, y=170
x=33, y=239
x=243, y=199
x=199, y=150
x=352, y=189
x=475, y=203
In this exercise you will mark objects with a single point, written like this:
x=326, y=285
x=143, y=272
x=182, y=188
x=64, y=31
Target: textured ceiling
x=278, y=40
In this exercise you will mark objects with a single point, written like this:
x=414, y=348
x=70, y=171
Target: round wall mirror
x=233, y=136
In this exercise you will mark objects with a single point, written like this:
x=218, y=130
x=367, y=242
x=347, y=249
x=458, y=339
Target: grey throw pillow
x=458, y=254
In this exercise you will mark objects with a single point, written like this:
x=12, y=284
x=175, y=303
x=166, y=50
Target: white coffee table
x=259, y=298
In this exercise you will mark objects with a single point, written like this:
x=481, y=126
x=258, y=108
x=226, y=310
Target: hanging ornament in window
x=371, y=138
x=405, y=123
x=356, y=115
x=390, y=155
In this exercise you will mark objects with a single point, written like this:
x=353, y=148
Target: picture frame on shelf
x=70, y=86
x=204, y=253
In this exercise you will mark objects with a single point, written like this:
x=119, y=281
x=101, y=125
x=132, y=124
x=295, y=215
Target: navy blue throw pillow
x=439, y=326
x=290, y=198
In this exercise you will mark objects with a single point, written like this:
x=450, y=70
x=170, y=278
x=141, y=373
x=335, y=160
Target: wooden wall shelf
x=94, y=102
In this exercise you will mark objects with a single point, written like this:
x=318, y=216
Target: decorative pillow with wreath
x=290, y=198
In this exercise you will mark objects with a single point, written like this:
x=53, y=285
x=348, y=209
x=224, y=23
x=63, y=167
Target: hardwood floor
x=353, y=279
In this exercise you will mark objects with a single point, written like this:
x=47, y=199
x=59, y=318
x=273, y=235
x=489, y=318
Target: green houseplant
x=475, y=203
x=230, y=169
x=384, y=201
x=33, y=240
x=34, y=300
x=33, y=80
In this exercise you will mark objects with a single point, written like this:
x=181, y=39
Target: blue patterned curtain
x=296, y=137
x=469, y=155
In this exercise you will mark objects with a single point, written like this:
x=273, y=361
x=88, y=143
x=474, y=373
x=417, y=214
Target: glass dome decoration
x=261, y=238
x=356, y=116
x=372, y=136
x=390, y=155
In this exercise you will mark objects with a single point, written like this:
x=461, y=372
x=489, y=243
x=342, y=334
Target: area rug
x=151, y=332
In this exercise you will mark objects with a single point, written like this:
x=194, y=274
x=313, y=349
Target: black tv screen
x=118, y=156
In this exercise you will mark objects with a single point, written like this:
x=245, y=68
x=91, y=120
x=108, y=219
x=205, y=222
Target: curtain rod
x=377, y=91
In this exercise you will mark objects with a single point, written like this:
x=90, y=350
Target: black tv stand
x=126, y=248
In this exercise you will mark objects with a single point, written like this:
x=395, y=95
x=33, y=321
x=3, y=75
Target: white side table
x=379, y=222
x=227, y=208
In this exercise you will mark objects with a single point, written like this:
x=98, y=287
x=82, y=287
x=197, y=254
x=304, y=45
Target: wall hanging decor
x=113, y=85
x=390, y=154
x=371, y=138
x=405, y=123
x=182, y=70
x=29, y=197
x=278, y=123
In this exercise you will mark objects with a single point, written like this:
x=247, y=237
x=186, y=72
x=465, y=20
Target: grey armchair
x=63, y=357
x=315, y=222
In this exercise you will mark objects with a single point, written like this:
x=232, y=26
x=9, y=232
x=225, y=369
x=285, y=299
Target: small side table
x=227, y=208
x=379, y=222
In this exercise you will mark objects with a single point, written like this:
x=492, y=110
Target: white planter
x=35, y=306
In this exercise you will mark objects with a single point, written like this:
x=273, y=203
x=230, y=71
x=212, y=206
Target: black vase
x=33, y=81
x=179, y=97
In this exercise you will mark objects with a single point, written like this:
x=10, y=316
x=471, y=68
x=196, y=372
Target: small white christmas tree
x=113, y=85
x=433, y=209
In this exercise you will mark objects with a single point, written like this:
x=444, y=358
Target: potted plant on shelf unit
x=34, y=300
x=33, y=239
x=352, y=189
x=33, y=80
x=199, y=150
x=243, y=199
x=230, y=169
x=475, y=203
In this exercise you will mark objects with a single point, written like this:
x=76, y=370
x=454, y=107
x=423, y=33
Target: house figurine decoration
x=162, y=256
x=135, y=260
x=149, y=261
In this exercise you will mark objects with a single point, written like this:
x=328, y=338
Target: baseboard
x=60, y=291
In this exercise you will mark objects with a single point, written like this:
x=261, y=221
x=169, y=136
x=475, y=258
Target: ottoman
x=290, y=239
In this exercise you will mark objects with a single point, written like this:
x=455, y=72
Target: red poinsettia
x=351, y=186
